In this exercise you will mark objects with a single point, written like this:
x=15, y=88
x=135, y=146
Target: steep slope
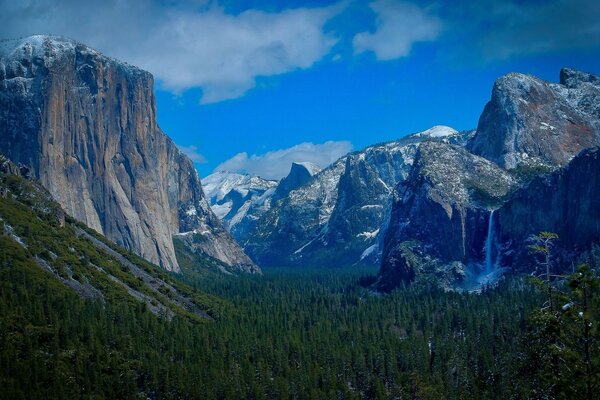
x=444, y=205
x=300, y=173
x=86, y=125
x=33, y=225
x=532, y=124
x=442, y=214
x=335, y=218
x=566, y=202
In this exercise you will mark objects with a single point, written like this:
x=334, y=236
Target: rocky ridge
x=533, y=124
x=336, y=218
x=566, y=202
x=443, y=208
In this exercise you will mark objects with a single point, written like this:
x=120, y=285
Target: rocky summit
x=86, y=126
x=532, y=124
x=239, y=200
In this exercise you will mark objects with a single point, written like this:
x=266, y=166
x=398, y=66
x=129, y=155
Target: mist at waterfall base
x=488, y=271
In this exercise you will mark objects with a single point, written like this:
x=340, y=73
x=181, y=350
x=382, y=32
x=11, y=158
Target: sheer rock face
x=566, y=202
x=530, y=123
x=445, y=203
x=86, y=125
x=300, y=173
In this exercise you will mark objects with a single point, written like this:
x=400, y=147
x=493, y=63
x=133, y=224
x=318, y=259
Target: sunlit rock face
x=533, y=124
x=86, y=125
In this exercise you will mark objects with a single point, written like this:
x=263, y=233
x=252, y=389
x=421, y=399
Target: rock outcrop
x=533, y=124
x=300, y=173
x=523, y=163
x=86, y=126
x=445, y=203
x=566, y=202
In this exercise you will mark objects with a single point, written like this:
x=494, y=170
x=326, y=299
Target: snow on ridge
x=52, y=47
x=368, y=235
x=219, y=184
x=368, y=251
x=312, y=168
x=438, y=131
x=221, y=210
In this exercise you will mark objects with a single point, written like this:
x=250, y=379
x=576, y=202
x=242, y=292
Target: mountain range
x=84, y=126
x=437, y=196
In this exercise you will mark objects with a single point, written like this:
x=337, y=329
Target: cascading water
x=490, y=263
x=487, y=273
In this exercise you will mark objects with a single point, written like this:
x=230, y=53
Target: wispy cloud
x=184, y=46
x=199, y=44
x=276, y=164
x=193, y=153
x=399, y=25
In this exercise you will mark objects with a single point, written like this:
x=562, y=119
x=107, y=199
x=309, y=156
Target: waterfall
x=489, y=245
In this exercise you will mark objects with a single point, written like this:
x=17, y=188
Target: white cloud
x=184, y=46
x=276, y=164
x=399, y=25
x=192, y=153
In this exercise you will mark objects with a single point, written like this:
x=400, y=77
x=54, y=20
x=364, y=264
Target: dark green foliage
x=525, y=173
x=310, y=334
x=289, y=334
x=563, y=341
x=317, y=334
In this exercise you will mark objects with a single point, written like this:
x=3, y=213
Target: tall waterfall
x=490, y=263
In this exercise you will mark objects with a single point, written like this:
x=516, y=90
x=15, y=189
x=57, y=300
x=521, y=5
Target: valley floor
x=286, y=334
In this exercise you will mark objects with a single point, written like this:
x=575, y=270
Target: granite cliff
x=336, y=218
x=86, y=126
x=443, y=207
x=566, y=202
x=533, y=124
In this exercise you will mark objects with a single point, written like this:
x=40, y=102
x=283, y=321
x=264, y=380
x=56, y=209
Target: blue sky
x=254, y=85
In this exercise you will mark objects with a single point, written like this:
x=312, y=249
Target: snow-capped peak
x=217, y=185
x=312, y=169
x=438, y=131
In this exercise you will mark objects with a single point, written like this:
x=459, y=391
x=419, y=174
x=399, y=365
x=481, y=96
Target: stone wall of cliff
x=86, y=124
x=530, y=123
x=566, y=202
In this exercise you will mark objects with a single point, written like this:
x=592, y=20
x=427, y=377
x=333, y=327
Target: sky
x=251, y=86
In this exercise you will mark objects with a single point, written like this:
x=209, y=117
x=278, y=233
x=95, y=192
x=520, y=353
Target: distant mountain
x=239, y=200
x=86, y=126
x=336, y=218
x=300, y=173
